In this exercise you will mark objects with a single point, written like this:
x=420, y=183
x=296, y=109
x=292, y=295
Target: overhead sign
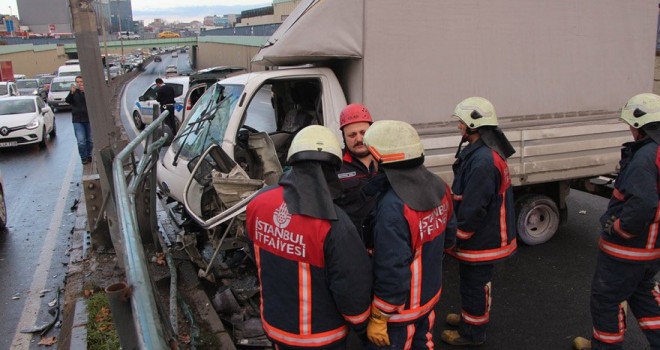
x=9, y=25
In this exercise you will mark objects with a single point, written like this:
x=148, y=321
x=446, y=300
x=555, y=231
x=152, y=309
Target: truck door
x=194, y=93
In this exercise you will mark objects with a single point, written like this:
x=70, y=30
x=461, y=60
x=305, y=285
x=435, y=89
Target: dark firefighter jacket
x=78, y=106
x=315, y=274
x=634, y=205
x=353, y=175
x=483, y=202
x=408, y=247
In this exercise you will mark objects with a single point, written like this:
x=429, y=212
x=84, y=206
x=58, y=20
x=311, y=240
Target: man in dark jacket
x=629, y=256
x=357, y=166
x=411, y=226
x=80, y=119
x=165, y=95
x=483, y=200
x=314, y=272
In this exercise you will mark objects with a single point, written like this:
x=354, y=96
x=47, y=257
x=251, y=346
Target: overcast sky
x=172, y=10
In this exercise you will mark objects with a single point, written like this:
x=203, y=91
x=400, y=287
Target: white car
x=143, y=107
x=25, y=120
x=59, y=89
x=8, y=89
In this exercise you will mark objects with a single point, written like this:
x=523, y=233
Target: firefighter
x=483, y=201
x=629, y=255
x=314, y=272
x=412, y=221
x=357, y=166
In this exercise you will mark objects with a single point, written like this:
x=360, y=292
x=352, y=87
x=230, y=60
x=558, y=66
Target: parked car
x=8, y=88
x=167, y=34
x=3, y=206
x=175, y=54
x=171, y=71
x=19, y=76
x=25, y=120
x=30, y=87
x=59, y=88
x=45, y=80
x=68, y=70
x=157, y=59
x=143, y=107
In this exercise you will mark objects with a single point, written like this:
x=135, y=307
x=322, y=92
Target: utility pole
x=121, y=38
x=105, y=133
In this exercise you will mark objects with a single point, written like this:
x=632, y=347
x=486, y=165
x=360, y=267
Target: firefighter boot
x=453, y=338
x=453, y=320
x=580, y=343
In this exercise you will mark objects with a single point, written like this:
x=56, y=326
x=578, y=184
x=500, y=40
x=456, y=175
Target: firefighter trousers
x=414, y=336
x=615, y=282
x=475, y=300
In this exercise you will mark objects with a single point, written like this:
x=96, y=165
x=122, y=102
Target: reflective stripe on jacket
x=315, y=274
x=484, y=206
x=635, y=205
x=407, y=256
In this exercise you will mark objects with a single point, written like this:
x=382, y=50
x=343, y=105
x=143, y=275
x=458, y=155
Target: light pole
x=121, y=39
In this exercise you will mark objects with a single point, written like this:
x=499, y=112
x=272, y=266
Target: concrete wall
x=229, y=51
x=33, y=60
x=215, y=54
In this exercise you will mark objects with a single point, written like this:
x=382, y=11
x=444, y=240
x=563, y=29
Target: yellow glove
x=377, y=327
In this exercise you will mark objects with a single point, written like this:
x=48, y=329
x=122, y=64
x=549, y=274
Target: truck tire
x=537, y=218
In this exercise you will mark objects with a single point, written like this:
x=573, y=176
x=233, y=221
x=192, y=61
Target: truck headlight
x=33, y=124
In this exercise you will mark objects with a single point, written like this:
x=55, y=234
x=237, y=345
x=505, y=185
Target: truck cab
x=251, y=118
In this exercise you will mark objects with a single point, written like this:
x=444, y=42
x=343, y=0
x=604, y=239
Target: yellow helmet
x=315, y=142
x=476, y=112
x=391, y=141
x=641, y=109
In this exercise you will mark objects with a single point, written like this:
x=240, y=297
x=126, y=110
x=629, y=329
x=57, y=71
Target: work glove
x=608, y=227
x=377, y=327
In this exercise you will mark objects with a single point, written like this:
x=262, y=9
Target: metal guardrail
x=150, y=333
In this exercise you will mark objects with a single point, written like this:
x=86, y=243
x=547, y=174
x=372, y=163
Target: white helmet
x=476, y=112
x=315, y=142
x=391, y=141
x=641, y=109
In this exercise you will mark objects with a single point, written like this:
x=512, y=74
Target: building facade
x=121, y=16
x=45, y=16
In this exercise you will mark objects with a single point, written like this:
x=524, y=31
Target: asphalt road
x=137, y=86
x=541, y=296
x=40, y=188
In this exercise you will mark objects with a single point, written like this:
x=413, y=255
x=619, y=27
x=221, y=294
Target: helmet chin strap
x=464, y=139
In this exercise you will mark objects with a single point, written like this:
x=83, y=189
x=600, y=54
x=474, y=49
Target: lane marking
x=33, y=301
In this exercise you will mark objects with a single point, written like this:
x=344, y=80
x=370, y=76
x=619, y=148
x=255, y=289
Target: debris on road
x=582, y=212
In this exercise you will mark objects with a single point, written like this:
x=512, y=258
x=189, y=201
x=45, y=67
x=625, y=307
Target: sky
x=172, y=10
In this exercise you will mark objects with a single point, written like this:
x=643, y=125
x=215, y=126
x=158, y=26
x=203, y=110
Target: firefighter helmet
x=476, y=112
x=315, y=142
x=354, y=113
x=391, y=141
x=641, y=109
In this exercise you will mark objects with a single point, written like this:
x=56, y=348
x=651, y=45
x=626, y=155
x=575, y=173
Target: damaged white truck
x=557, y=72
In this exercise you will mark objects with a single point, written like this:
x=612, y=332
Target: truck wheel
x=138, y=120
x=537, y=218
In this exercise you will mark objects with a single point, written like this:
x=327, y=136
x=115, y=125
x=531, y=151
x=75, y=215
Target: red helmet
x=354, y=113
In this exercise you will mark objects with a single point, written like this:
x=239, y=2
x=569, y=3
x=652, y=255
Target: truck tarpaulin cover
x=337, y=23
